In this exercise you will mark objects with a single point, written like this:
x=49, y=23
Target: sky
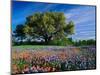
x=83, y=16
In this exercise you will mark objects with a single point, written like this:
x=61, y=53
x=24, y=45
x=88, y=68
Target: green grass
x=35, y=47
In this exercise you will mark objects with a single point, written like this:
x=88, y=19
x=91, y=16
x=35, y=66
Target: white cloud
x=84, y=19
x=81, y=15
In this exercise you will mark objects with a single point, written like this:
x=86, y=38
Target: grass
x=35, y=47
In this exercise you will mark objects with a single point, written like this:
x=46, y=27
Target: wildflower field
x=41, y=59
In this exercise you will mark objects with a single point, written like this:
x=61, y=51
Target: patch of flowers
x=40, y=61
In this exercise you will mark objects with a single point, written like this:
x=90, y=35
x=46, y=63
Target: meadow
x=40, y=59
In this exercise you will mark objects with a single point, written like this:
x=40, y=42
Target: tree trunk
x=21, y=38
x=47, y=39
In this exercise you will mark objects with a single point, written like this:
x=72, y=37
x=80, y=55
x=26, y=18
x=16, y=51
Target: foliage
x=61, y=42
x=85, y=42
x=48, y=26
x=19, y=31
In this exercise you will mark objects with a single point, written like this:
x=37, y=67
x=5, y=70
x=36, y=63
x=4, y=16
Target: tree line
x=88, y=42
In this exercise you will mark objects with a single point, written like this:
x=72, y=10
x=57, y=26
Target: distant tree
x=48, y=25
x=88, y=42
x=91, y=42
x=19, y=32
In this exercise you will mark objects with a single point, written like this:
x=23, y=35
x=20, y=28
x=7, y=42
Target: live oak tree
x=47, y=25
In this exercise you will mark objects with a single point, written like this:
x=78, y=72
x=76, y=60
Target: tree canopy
x=47, y=25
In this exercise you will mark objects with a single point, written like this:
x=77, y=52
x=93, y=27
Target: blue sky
x=83, y=16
